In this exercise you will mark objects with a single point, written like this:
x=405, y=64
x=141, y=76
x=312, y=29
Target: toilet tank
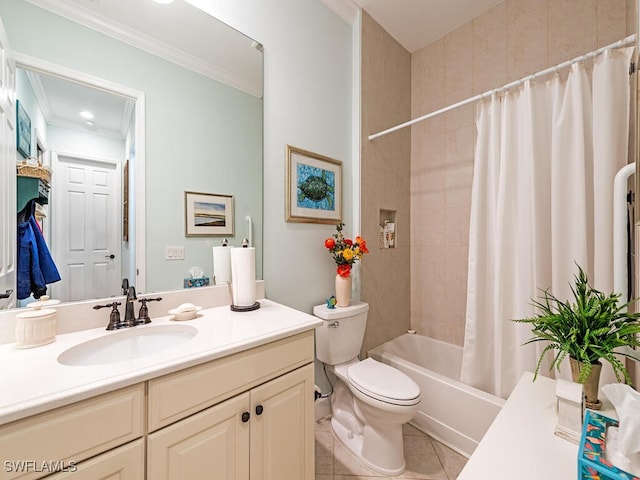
x=340, y=336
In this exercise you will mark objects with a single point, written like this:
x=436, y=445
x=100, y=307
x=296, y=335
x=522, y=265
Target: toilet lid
x=383, y=382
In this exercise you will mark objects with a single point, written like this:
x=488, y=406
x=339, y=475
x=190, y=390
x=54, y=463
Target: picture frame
x=313, y=187
x=125, y=202
x=208, y=214
x=23, y=129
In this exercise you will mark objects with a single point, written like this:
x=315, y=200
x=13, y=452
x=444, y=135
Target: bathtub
x=452, y=412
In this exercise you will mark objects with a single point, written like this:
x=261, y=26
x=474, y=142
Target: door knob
x=112, y=256
x=259, y=410
x=245, y=417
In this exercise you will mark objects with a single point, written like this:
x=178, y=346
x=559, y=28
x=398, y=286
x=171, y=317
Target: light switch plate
x=174, y=253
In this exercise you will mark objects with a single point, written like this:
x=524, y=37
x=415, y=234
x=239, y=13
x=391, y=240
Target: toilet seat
x=383, y=382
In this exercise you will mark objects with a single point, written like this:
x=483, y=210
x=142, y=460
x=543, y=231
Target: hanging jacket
x=36, y=268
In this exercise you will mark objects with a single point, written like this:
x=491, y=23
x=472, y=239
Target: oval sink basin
x=135, y=342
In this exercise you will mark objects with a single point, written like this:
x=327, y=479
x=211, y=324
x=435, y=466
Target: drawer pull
x=259, y=410
x=245, y=417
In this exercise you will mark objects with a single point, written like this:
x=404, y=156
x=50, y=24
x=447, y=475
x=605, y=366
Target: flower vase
x=343, y=290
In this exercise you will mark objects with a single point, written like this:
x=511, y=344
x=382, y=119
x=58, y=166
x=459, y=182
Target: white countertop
x=521, y=443
x=32, y=380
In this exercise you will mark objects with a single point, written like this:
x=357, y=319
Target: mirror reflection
x=193, y=133
x=87, y=137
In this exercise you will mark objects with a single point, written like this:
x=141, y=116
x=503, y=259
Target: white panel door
x=7, y=174
x=86, y=228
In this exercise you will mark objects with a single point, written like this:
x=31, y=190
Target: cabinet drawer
x=71, y=433
x=180, y=394
x=122, y=463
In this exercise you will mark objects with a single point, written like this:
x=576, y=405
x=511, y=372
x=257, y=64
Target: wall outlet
x=174, y=253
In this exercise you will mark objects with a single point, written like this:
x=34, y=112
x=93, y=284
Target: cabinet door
x=212, y=444
x=122, y=463
x=282, y=437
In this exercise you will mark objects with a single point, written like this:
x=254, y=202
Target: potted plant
x=588, y=329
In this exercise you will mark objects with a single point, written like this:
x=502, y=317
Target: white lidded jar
x=35, y=327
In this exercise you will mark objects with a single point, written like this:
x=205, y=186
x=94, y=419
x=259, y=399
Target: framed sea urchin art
x=208, y=214
x=313, y=187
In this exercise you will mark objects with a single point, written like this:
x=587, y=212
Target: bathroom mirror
x=201, y=134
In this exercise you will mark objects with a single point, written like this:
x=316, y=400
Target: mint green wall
x=201, y=135
x=311, y=94
x=311, y=89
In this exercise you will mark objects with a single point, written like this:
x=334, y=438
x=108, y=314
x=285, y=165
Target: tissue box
x=196, y=282
x=592, y=462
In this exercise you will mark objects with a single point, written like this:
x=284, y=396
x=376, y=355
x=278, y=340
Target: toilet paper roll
x=243, y=276
x=222, y=265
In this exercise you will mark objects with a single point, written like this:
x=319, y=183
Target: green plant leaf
x=589, y=327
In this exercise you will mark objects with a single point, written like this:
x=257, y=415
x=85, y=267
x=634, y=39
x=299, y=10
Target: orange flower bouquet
x=345, y=251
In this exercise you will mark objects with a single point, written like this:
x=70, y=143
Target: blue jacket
x=36, y=268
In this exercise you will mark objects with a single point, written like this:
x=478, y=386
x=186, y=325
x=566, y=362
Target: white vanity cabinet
x=62, y=438
x=263, y=432
x=122, y=463
x=246, y=415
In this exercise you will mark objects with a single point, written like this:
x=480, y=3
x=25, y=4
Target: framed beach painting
x=313, y=187
x=208, y=214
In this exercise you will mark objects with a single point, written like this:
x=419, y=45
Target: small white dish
x=186, y=311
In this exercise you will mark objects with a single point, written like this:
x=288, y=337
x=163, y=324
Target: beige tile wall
x=514, y=39
x=385, y=171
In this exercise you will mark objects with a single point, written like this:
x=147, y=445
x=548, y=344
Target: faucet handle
x=114, y=317
x=143, y=315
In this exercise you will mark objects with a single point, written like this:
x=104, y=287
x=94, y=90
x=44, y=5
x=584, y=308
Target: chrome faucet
x=129, y=315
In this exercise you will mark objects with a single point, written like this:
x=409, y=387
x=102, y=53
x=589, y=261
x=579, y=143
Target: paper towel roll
x=222, y=265
x=243, y=276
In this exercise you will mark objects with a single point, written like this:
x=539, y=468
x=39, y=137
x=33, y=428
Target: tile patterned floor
x=426, y=458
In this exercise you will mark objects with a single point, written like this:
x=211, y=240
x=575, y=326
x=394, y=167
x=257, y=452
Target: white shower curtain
x=545, y=161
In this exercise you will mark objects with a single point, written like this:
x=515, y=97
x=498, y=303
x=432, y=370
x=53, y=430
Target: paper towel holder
x=238, y=308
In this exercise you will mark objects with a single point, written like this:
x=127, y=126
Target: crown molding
x=41, y=95
x=126, y=119
x=78, y=127
x=148, y=44
x=345, y=9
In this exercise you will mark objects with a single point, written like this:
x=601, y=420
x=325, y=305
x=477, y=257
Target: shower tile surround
x=386, y=101
x=514, y=39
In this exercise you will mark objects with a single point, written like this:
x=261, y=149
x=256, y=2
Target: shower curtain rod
x=618, y=44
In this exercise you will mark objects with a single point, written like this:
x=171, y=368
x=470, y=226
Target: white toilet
x=370, y=400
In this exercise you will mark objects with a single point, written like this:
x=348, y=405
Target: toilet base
x=355, y=443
